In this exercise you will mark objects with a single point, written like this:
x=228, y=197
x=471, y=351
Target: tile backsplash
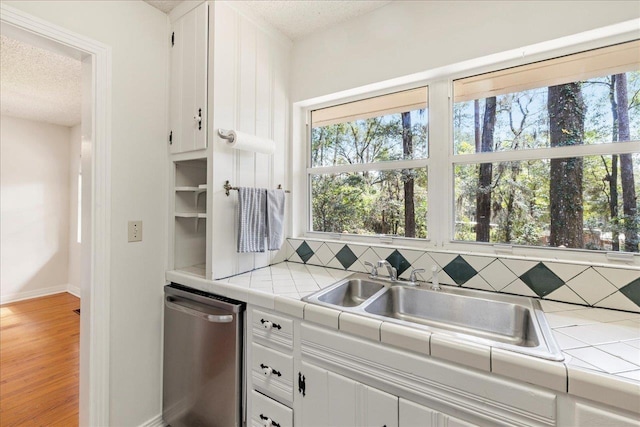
x=596, y=286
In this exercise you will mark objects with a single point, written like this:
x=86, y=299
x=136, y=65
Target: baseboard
x=19, y=296
x=156, y=421
x=73, y=290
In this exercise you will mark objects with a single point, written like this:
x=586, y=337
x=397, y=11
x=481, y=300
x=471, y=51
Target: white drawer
x=266, y=412
x=272, y=330
x=272, y=372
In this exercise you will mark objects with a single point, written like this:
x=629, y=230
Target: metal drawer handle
x=266, y=421
x=213, y=318
x=268, y=370
x=268, y=324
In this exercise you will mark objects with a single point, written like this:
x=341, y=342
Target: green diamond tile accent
x=632, y=291
x=304, y=252
x=541, y=280
x=346, y=257
x=460, y=270
x=399, y=262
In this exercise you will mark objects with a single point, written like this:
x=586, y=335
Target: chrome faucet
x=393, y=273
x=413, y=278
x=374, y=270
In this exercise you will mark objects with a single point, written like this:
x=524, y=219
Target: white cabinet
x=188, y=84
x=190, y=216
x=267, y=412
x=412, y=414
x=332, y=400
x=269, y=364
x=587, y=414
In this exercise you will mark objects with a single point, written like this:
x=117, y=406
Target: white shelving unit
x=190, y=216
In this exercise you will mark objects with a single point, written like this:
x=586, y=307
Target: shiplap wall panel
x=280, y=109
x=222, y=210
x=250, y=95
x=264, y=122
x=246, y=104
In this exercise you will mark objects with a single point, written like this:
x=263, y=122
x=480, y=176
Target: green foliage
x=520, y=212
x=372, y=201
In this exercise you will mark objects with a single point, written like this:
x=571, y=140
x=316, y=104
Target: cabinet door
x=188, y=97
x=378, y=408
x=413, y=415
x=332, y=400
x=593, y=416
x=315, y=401
x=342, y=394
x=449, y=421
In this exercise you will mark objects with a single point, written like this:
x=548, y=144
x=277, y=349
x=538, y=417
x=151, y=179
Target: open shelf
x=196, y=270
x=200, y=215
x=198, y=189
x=190, y=215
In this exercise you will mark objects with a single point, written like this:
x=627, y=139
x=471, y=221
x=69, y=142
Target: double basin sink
x=508, y=322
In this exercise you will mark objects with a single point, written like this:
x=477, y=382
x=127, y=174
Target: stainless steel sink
x=504, y=321
x=350, y=293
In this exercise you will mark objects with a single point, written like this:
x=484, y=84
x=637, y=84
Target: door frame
x=95, y=287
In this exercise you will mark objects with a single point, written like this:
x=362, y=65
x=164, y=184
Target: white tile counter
x=601, y=347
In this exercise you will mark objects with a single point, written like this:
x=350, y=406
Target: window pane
x=375, y=130
x=586, y=98
x=392, y=202
x=579, y=202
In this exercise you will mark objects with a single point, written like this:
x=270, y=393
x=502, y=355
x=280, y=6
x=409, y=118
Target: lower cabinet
x=332, y=400
x=269, y=363
x=303, y=373
x=586, y=414
x=266, y=412
x=413, y=415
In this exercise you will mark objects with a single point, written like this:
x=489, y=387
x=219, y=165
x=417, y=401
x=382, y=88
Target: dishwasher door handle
x=213, y=318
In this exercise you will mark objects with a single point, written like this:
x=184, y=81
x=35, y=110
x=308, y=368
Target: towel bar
x=227, y=188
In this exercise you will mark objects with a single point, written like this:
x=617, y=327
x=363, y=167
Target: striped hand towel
x=275, y=219
x=252, y=212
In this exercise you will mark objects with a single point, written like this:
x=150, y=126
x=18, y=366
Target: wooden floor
x=39, y=362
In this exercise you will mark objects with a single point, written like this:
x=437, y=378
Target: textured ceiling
x=164, y=5
x=37, y=84
x=297, y=18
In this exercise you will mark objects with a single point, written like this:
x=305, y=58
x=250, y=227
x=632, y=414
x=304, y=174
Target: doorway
x=95, y=146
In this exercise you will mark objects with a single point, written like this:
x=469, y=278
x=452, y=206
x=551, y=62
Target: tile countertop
x=601, y=347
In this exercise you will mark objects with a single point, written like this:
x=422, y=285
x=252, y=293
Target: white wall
x=138, y=36
x=75, y=247
x=34, y=199
x=407, y=37
x=250, y=94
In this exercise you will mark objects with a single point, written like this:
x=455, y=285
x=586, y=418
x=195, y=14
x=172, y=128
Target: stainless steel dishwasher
x=202, y=384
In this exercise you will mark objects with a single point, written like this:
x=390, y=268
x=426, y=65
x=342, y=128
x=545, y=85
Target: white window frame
x=360, y=167
x=442, y=161
x=538, y=252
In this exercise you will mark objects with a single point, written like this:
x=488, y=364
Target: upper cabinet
x=188, y=98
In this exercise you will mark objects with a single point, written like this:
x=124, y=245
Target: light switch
x=135, y=231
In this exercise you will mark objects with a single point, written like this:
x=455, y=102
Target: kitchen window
x=547, y=154
x=368, y=166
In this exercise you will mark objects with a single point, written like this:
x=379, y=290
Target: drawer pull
x=268, y=370
x=266, y=421
x=268, y=324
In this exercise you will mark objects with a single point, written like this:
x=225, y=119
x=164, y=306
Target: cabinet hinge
x=170, y=137
x=302, y=385
x=173, y=38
